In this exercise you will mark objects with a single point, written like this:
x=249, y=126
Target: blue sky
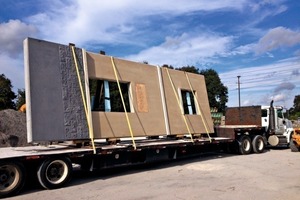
x=258, y=40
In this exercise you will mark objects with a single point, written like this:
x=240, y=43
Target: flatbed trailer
x=52, y=164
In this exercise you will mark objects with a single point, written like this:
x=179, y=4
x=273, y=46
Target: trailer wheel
x=55, y=172
x=245, y=145
x=258, y=144
x=12, y=178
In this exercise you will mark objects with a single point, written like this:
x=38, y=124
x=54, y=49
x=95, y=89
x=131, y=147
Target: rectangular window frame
x=264, y=113
x=188, y=102
x=105, y=96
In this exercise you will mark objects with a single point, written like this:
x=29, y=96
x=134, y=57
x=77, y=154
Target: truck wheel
x=245, y=145
x=55, y=172
x=293, y=146
x=258, y=144
x=12, y=178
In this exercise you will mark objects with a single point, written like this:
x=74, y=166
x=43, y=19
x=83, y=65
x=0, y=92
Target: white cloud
x=185, y=50
x=278, y=97
x=13, y=69
x=12, y=35
x=295, y=72
x=275, y=4
x=276, y=38
x=284, y=86
x=118, y=21
x=242, y=50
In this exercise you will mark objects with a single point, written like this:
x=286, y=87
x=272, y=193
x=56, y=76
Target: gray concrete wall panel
x=52, y=93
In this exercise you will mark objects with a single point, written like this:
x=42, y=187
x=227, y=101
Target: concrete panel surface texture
x=248, y=115
x=52, y=92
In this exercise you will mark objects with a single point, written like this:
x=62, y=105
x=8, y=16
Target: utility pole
x=239, y=90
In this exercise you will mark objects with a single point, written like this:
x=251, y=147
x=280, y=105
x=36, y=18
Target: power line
x=276, y=70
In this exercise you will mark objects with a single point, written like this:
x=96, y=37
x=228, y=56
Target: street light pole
x=239, y=90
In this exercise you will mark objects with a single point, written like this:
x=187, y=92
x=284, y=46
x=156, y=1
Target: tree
x=190, y=69
x=168, y=66
x=6, y=94
x=296, y=106
x=217, y=92
x=20, y=98
x=294, y=112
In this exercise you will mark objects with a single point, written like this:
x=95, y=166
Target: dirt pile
x=12, y=128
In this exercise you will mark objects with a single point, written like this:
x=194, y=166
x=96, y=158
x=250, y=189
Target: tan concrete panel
x=145, y=121
x=195, y=122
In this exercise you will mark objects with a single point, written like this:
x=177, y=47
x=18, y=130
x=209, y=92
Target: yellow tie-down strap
x=123, y=102
x=91, y=132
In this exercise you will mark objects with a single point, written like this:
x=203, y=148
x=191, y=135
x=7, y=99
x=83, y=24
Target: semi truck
x=98, y=111
x=254, y=127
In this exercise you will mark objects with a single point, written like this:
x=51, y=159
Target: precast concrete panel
x=198, y=123
x=53, y=95
x=146, y=117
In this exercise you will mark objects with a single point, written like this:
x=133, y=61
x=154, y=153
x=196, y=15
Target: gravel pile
x=12, y=128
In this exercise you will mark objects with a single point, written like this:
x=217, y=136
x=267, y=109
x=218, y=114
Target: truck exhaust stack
x=271, y=130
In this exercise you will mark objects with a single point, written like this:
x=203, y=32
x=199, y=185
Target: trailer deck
x=104, y=148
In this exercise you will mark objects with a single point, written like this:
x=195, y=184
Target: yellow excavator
x=23, y=108
x=295, y=141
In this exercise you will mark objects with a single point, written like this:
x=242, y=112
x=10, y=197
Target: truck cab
x=283, y=128
x=247, y=123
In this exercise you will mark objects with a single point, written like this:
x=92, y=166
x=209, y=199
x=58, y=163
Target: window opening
x=279, y=113
x=188, y=102
x=264, y=113
x=105, y=96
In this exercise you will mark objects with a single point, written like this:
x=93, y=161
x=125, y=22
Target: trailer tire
x=12, y=178
x=245, y=146
x=258, y=144
x=55, y=172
